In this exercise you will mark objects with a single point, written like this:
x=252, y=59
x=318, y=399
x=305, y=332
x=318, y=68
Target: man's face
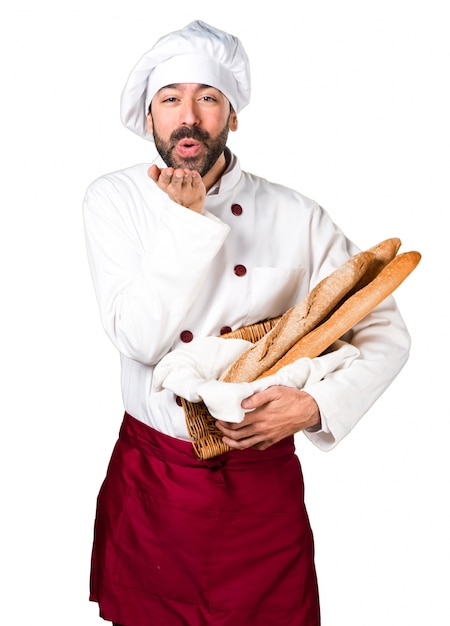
x=190, y=124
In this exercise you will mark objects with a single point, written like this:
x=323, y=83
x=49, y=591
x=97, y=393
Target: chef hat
x=198, y=53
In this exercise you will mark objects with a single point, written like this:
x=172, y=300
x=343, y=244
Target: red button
x=225, y=329
x=236, y=209
x=240, y=270
x=178, y=401
x=186, y=336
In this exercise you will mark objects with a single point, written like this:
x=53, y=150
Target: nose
x=190, y=114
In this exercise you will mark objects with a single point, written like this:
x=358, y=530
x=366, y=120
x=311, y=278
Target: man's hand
x=183, y=186
x=277, y=412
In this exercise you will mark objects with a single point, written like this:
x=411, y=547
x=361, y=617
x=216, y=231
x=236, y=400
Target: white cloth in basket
x=193, y=373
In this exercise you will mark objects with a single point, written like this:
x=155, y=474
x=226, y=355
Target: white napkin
x=192, y=372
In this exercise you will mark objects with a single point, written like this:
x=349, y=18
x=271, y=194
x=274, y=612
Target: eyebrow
x=177, y=86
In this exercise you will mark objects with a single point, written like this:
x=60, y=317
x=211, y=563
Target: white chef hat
x=198, y=53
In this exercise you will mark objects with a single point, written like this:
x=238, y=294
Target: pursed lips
x=188, y=147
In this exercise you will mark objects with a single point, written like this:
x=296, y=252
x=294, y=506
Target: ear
x=233, y=121
x=149, y=124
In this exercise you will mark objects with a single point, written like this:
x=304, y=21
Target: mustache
x=189, y=132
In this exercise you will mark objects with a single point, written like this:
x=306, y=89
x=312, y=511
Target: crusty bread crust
x=299, y=320
x=351, y=311
x=383, y=253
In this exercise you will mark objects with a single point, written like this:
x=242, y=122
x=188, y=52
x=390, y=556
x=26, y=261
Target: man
x=192, y=247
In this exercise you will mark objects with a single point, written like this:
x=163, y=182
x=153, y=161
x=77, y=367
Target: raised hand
x=183, y=186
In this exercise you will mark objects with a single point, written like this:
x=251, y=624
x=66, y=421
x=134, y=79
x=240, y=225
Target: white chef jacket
x=164, y=274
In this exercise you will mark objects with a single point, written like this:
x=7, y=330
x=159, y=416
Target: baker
x=192, y=246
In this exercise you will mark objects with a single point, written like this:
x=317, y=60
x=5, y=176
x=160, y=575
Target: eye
x=208, y=98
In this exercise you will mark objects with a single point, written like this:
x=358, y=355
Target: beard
x=202, y=163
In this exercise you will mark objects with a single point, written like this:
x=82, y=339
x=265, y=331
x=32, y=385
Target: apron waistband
x=167, y=448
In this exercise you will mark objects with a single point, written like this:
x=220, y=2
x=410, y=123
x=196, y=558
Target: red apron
x=184, y=542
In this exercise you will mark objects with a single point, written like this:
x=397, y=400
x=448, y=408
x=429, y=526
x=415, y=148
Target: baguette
x=384, y=252
x=351, y=312
x=299, y=320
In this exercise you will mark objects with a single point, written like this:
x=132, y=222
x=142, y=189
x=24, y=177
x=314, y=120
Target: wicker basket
x=206, y=438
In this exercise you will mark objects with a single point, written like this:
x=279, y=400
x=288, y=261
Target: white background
x=351, y=107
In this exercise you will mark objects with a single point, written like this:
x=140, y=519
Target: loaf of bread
x=383, y=253
x=352, y=311
x=299, y=320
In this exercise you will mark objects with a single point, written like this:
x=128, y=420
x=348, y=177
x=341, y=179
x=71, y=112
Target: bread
x=352, y=311
x=299, y=320
x=383, y=253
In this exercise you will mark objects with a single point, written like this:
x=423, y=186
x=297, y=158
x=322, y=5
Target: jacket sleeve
x=345, y=396
x=144, y=288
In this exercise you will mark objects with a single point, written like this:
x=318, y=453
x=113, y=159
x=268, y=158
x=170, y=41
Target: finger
x=263, y=445
x=196, y=179
x=177, y=177
x=188, y=178
x=230, y=426
x=154, y=172
x=166, y=175
x=260, y=398
x=254, y=401
x=236, y=431
x=243, y=444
